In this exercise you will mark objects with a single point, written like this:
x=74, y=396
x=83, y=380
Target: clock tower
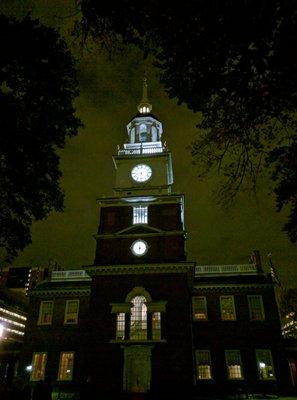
x=141, y=280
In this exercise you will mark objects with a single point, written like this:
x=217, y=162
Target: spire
x=144, y=107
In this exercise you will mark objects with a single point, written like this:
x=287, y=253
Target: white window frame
x=206, y=352
x=261, y=369
x=41, y=313
x=60, y=366
x=199, y=306
x=34, y=378
x=121, y=325
x=250, y=297
x=233, y=306
x=231, y=354
x=67, y=312
x=140, y=215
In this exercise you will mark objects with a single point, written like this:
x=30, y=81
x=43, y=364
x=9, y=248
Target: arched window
x=143, y=134
x=138, y=320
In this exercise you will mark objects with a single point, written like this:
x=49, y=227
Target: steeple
x=144, y=106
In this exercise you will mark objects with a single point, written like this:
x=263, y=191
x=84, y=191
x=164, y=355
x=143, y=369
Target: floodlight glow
x=262, y=365
x=1, y=330
x=29, y=368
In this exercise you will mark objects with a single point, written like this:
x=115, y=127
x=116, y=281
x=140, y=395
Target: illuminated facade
x=144, y=319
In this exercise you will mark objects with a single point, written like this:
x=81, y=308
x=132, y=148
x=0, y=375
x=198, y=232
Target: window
x=156, y=326
x=140, y=215
x=66, y=366
x=120, y=332
x=203, y=364
x=265, y=364
x=138, y=321
x=38, y=366
x=45, y=313
x=227, y=308
x=142, y=133
x=256, y=308
x=233, y=362
x=199, y=308
x=71, y=312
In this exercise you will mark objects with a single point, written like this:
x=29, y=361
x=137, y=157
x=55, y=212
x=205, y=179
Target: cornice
x=60, y=292
x=232, y=286
x=138, y=234
x=140, y=269
x=125, y=201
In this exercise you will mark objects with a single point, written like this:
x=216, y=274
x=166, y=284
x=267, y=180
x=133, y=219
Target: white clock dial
x=139, y=248
x=141, y=173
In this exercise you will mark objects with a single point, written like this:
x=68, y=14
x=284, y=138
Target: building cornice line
x=140, y=269
x=137, y=234
x=59, y=292
x=231, y=286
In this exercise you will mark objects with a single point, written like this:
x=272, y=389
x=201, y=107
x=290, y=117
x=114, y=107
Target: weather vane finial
x=144, y=107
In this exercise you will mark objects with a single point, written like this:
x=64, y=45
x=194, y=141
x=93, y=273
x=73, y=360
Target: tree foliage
x=37, y=89
x=233, y=61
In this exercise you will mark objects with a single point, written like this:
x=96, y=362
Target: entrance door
x=137, y=368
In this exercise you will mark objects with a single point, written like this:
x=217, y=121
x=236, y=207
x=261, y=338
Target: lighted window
x=199, y=308
x=203, y=364
x=71, y=312
x=256, y=308
x=138, y=320
x=38, y=366
x=156, y=326
x=66, y=366
x=140, y=215
x=45, y=313
x=120, y=332
x=265, y=364
x=227, y=308
x=233, y=362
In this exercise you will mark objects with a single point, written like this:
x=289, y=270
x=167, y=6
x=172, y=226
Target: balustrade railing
x=226, y=269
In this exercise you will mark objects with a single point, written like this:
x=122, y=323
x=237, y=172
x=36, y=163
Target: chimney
x=256, y=258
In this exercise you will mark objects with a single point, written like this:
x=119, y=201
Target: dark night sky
x=110, y=92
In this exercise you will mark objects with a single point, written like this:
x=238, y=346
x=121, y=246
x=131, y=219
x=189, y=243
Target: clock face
x=139, y=248
x=141, y=173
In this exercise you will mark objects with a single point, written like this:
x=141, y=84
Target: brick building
x=143, y=319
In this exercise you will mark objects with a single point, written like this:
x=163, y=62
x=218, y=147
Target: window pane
x=38, y=366
x=156, y=325
x=45, y=313
x=199, y=307
x=227, y=308
x=203, y=364
x=138, y=327
x=120, y=333
x=233, y=362
x=265, y=364
x=71, y=312
x=140, y=215
x=256, y=308
x=66, y=366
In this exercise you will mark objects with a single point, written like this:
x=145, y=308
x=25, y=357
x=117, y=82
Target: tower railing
x=141, y=150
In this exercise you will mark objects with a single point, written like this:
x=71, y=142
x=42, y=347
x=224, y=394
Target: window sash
x=256, y=309
x=138, y=320
x=199, y=308
x=156, y=326
x=140, y=215
x=203, y=365
x=265, y=364
x=227, y=308
x=38, y=366
x=45, y=313
x=71, y=312
x=66, y=366
x=234, y=364
x=120, y=330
